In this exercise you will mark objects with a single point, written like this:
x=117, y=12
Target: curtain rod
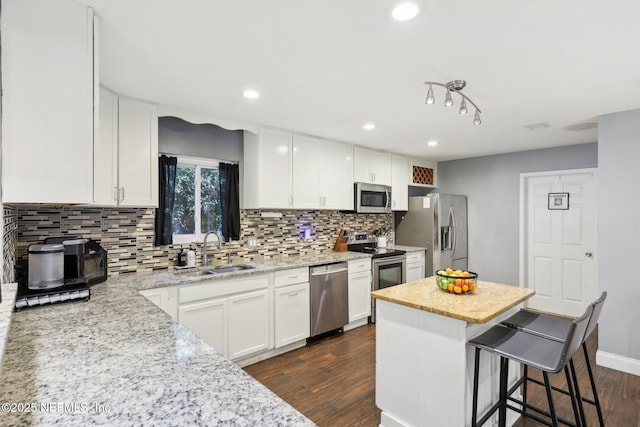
x=236, y=162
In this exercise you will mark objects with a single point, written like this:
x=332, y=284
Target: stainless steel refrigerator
x=439, y=223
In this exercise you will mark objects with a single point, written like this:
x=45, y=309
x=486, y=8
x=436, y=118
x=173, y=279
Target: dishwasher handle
x=325, y=272
x=322, y=270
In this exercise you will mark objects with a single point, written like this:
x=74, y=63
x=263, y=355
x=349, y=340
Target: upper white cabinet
x=126, y=160
x=371, y=166
x=47, y=101
x=399, y=183
x=291, y=171
x=267, y=169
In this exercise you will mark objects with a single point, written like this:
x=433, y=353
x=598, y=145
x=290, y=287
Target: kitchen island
x=424, y=367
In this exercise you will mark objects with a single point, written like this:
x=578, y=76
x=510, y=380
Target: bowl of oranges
x=457, y=281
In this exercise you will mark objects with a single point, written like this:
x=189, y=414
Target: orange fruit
x=459, y=282
x=457, y=289
x=450, y=287
x=465, y=288
x=458, y=272
x=448, y=271
x=473, y=286
x=466, y=274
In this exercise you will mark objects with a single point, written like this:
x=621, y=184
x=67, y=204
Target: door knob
x=588, y=254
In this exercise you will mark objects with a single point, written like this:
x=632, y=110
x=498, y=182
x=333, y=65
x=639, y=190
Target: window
x=196, y=209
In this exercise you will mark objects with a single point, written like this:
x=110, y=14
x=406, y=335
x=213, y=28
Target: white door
x=560, y=244
x=399, y=183
x=306, y=151
x=275, y=169
x=292, y=314
x=359, y=295
x=105, y=148
x=208, y=320
x=250, y=325
x=336, y=175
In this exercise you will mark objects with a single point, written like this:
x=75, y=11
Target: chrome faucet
x=205, y=257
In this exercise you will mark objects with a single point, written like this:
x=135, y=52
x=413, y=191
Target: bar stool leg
x=552, y=410
x=524, y=390
x=593, y=385
x=476, y=373
x=578, y=415
x=504, y=372
x=576, y=387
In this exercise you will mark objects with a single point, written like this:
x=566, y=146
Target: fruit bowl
x=457, y=282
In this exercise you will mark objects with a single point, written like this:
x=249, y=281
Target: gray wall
x=492, y=186
x=175, y=136
x=618, y=234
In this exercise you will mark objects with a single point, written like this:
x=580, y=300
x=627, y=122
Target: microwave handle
x=388, y=193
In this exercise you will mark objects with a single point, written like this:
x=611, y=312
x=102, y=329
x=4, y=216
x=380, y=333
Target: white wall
x=492, y=186
x=619, y=239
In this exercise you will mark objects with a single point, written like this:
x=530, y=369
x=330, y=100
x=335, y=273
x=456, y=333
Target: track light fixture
x=454, y=86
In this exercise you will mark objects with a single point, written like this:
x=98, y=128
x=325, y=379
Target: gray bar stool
x=550, y=356
x=554, y=328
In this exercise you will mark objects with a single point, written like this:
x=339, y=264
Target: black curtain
x=167, y=192
x=230, y=200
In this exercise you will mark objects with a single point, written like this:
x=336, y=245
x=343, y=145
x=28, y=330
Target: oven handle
x=389, y=260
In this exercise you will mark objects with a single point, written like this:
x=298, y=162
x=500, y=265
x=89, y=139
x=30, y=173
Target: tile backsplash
x=127, y=234
x=9, y=240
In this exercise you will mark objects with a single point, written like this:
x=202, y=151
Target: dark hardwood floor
x=333, y=383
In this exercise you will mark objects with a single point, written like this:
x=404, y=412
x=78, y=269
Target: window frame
x=198, y=163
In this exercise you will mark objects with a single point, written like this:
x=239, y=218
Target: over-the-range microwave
x=372, y=198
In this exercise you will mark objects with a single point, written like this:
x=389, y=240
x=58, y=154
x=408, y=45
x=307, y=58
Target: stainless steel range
x=387, y=265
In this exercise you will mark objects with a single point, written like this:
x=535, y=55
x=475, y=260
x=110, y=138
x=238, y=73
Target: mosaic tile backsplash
x=9, y=241
x=127, y=234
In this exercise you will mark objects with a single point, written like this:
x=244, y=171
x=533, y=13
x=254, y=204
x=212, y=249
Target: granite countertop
x=120, y=360
x=408, y=248
x=487, y=302
x=6, y=309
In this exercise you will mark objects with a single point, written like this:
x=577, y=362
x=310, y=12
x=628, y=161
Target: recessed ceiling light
x=404, y=11
x=369, y=126
x=432, y=143
x=251, y=94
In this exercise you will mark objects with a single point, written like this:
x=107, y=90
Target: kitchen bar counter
x=424, y=366
x=120, y=360
x=485, y=303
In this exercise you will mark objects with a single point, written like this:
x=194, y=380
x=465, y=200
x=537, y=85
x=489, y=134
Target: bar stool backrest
x=575, y=337
x=597, y=308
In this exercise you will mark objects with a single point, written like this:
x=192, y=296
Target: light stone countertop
x=407, y=248
x=6, y=309
x=485, y=303
x=120, y=360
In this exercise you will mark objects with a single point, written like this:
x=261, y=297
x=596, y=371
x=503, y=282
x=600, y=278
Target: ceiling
x=327, y=67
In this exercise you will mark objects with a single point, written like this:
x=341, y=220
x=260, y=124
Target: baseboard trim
x=617, y=362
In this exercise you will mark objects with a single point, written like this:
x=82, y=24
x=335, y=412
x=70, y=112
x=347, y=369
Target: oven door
x=389, y=271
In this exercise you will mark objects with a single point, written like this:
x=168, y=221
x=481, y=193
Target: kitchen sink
x=199, y=273
x=231, y=268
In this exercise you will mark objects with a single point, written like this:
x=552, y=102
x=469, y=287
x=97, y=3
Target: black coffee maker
x=85, y=261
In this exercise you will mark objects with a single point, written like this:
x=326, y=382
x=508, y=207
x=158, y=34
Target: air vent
x=537, y=126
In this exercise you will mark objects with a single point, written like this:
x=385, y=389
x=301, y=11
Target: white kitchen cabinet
x=359, y=289
x=48, y=85
x=137, y=153
x=293, y=171
x=371, y=166
x=336, y=175
x=126, y=161
x=267, y=169
x=235, y=316
x=208, y=320
x=249, y=323
x=415, y=266
x=306, y=172
x=292, y=315
x=165, y=298
x=399, y=183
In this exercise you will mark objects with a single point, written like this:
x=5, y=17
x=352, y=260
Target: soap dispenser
x=191, y=257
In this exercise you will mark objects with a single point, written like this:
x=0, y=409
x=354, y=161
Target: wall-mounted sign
x=558, y=201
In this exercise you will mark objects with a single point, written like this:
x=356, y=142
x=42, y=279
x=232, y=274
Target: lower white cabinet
x=234, y=316
x=165, y=298
x=292, y=314
x=415, y=266
x=359, y=289
x=249, y=323
x=208, y=320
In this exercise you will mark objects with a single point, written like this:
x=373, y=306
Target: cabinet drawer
x=292, y=276
x=358, y=265
x=217, y=288
x=415, y=257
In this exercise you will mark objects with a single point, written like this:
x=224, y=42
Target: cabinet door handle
x=116, y=194
x=292, y=277
x=122, y=197
x=290, y=200
x=293, y=294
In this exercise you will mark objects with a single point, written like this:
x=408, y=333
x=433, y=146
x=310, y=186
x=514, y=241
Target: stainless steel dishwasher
x=329, y=297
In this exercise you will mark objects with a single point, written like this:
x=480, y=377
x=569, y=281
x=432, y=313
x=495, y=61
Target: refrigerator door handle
x=454, y=232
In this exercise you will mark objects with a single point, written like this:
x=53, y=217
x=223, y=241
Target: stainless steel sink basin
x=231, y=268
x=199, y=273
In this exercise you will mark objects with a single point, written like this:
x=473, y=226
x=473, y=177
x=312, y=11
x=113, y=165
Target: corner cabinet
x=48, y=85
x=371, y=166
x=126, y=161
